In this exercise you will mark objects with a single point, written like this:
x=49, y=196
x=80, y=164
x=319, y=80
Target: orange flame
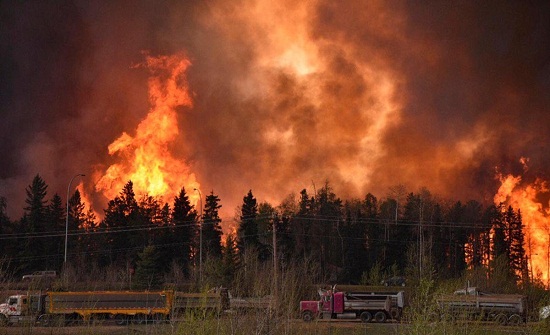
x=145, y=158
x=536, y=219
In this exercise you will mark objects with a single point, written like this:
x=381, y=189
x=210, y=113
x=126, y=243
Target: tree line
x=357, y=241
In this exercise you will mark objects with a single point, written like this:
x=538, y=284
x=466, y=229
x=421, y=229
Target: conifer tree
x=77, y=220
x=184, y=218
x=230, y=260
x=518, y=260
x=247, y=232
x=34, y=222
x=211, y=229
x=56, y=220
x=148, y=274
x=301, y=225
x=121, y=214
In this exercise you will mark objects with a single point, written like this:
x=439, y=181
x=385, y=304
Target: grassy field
x=258, y=325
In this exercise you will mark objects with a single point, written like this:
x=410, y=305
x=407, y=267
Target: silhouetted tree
x=34, y=224
x=247, y=232
x=56, y=243
x=184, y=218
x=148, y=274
x=211, y=229
x=230, y=260
x=77, y=221
x=301, y=225
x=121, y=218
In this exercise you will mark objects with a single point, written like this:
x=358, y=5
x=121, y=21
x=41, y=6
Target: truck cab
x=20, y=307
x=15, y=305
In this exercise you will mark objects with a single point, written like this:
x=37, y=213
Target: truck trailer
x=60, y=308
x=367, y=306
x=471, y=303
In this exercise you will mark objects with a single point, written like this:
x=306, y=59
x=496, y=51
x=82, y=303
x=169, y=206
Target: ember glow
x=146, y=157
x=535, y=215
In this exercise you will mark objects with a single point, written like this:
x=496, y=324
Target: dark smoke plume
x=364, y=94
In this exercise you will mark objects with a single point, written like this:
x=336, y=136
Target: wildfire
x=146, y=158
x=536, y=218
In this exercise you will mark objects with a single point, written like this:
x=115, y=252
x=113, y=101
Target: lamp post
x=67, y=215
x=200, y=236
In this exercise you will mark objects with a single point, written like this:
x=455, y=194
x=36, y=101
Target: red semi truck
x=367, y=306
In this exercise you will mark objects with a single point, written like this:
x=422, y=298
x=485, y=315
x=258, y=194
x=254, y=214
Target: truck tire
x=380, y=317
x=514, y=319
x=45, y=320
x=307, y=316
x=501, y=319
x=3, y=320
x=121, y=319
x=366, y=316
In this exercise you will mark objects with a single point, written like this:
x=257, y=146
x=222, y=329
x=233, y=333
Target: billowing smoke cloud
x=364, y=94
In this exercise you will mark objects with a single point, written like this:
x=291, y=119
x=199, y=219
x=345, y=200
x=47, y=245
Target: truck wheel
x=121, y=319
x=307, y=316
x=139, y=319
x=380, y=317
x=514, y=319
x=45, y=320
x=501, y=319
x=366, y=317
x=3, y=320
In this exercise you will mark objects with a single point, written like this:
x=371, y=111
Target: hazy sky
x=285, y=94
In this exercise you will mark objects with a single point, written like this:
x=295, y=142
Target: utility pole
x=200, y=236
x=275, y=270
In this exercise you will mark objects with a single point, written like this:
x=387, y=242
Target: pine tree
x=148, y=275
x=56, y=222
x=516, y=240
x=247, y=232
x=121, y=214
x=34, y=249
x=230, y=260
x=301, y=225
x=211, y=229
x=184, y=218
x=77, y=220
x=326, y=228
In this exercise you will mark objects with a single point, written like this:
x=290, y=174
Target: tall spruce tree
x=56, y=243
x=148, y=274
x=120, y=216
x=184, y=218
x=34, y=223
x=211, y=229
x=230, y=260
x=301, y=225
x=518, y=259
x=326, y=228
x=247, y=232
x=77, y=221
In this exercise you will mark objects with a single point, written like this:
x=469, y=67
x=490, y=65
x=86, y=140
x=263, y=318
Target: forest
x=356, y=241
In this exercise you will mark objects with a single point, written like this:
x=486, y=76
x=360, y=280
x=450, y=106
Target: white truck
x=21, y=308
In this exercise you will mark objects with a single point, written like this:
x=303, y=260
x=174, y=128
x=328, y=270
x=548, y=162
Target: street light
x=67, y=215
x=200, y=236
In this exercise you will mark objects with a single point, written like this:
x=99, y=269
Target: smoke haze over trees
x=367, y=94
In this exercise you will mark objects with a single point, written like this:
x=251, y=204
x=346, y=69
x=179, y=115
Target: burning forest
x=404, y=119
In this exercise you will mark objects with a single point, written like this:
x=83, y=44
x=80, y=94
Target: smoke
x=286, y=94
